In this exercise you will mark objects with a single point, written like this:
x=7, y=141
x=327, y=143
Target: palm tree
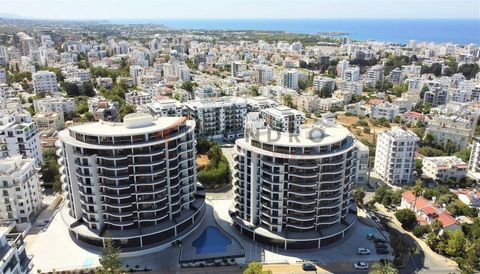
x=417, y=190
x=384, y=267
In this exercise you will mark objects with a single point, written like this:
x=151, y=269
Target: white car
x=360, y=265
x=363, y=251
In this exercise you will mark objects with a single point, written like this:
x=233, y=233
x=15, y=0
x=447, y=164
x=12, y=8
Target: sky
x=238, y=9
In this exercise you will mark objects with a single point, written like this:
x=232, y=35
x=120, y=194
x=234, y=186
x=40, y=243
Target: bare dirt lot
x=202, y=160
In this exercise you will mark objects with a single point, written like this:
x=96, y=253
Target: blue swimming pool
x=212, y=240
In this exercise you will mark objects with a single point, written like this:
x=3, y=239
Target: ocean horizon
x=458, y=31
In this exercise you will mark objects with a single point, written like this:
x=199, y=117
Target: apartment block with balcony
x=450, y=130
x=166, y=108
x=19, y=135
x=395, y=156
x=54, y=104
x=13, y=257
x=474, y=162
x=294, y=191
x=44, y=81
x=20, y=190
x=134, y=181
x=282, y=118
x=444, y=168
x=218, y=118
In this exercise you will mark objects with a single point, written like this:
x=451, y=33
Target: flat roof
x=135, y=123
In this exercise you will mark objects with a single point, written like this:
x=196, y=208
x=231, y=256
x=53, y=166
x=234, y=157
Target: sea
x=458, y=31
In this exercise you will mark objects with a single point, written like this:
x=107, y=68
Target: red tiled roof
x=446, y=219
x=421, y=220
x=421, y=203
x=413, y=113
x=408, y=195
x=375, y=102
x=430, y=210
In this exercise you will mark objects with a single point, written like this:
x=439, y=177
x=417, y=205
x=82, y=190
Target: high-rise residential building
x=54, y=104
x=21, y=194
x=450, y=130
x=290, y=79
x=325, y=85
x=13, y=259
x=238, y=68
x=341, y=67
x=221, y=117
x=263, y=74
x=474, y=162
x=282, y=118
x=135, y=73
x=134, y=181
x=25, y=43
x=375, y=73
x=294, y=191
x=19, y=134
x=395, y=156
x=412, y=44
x=396, y=76
x=436, y=95
x=351, y=74
x=444, y=168
x=362, y=163
x=183, y=73
x=44, y=81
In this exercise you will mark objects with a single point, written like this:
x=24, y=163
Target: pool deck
x=189, y=252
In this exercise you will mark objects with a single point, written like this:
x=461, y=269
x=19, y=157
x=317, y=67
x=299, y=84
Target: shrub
x=421, y=230
x=407, y=218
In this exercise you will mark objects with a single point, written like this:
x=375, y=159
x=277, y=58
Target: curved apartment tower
x=294, y=190
x=133, y=181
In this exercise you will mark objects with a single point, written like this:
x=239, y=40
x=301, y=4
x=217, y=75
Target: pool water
x=212, y=240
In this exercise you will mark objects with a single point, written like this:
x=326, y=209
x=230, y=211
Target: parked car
x=370, y=236
x=382, y=251
x=363, y=251
x=309, y=267
x=375, y=218
x=360, y=265
x=378, y=240
x=381, y=245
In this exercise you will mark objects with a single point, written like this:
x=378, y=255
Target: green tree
x=359, y=195
x=254, y=91
x=407, y=218
x=288, y=100
x=256, y=268
x=50, y=170
x=417, y=190
x=455, y=244
x=418, y=167
x=464, y=154
x=421, y=230
x=429, y=140
x=384, y=267
x=187, y=85
x=110, y=259
x=469, y=70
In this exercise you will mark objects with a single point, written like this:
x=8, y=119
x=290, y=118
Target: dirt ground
x=202, y=160
x=358, y=131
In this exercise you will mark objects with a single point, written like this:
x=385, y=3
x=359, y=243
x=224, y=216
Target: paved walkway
x=434, y=262
x=325, y=256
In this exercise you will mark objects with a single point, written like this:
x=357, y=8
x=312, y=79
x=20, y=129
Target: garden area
x=213, y=168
